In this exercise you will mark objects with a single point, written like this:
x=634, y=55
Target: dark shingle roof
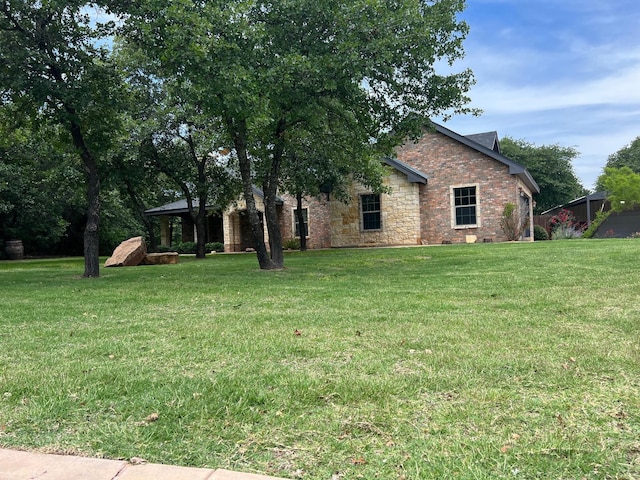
x=180, y=206
x=486, y=139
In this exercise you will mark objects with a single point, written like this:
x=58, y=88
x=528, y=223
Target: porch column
x=165, y=231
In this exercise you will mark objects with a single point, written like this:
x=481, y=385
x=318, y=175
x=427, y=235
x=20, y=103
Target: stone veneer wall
x=449, y=163
x=233, y=234
x=319, y=225
x=400, y=216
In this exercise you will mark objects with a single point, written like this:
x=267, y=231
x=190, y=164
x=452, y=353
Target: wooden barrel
x=14, y=249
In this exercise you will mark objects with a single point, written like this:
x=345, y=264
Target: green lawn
x=460, y=361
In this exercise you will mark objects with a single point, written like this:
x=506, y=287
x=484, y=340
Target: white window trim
x=293, y=222
x=452, y=203
x=362, y=229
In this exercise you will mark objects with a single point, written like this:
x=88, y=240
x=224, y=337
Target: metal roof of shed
x=578, y=201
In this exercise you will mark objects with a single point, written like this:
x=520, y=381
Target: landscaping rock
x=166, y=258
x=128, y=254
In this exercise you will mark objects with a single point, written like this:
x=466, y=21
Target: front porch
x=230, y=227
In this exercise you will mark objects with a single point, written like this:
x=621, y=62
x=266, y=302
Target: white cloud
x=570, y=79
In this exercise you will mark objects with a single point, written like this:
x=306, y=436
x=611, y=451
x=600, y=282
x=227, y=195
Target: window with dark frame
x=371, y=214
x=465, y=205
x=305, y=216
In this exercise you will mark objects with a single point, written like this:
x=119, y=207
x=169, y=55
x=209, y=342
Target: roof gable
x=486, y=139
x=514, y=168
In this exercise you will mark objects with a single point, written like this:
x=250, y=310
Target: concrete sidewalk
x=17, y=465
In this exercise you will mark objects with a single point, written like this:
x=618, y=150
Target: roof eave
x=514, y=167
x=413, y=175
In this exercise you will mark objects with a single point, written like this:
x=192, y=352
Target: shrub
x=593, y=228
x=566, y=233
x=164, y=249
x=564, y=226
x=511, y=222
x=291, y=244
x=186, y=247
x=214, y=247
x=540, y=233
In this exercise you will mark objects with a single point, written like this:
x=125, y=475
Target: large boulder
x=128, y=254
x=166, y=258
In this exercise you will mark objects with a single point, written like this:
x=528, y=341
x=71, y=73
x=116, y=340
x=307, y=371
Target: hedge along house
x=444, y=188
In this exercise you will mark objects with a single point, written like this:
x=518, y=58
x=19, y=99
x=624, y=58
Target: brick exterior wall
x=448, y=164
x=413, y=213
x=319, y=234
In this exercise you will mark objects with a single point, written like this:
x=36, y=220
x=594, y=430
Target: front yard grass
x=462, y=361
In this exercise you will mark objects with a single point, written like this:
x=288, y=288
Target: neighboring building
x=617, y=225
x=445, y=188
x=584, y=208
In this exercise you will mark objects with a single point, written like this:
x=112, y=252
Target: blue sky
x=561, y=72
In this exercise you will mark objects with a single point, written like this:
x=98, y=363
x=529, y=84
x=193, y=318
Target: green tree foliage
x=627, y=156
x=50, y=65
x=622, y=186
x=271, y=72
x=551, y=168
x=174, y=137
x=38, y=185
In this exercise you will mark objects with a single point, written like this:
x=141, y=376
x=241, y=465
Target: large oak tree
x=51, y=64
x=267, y=70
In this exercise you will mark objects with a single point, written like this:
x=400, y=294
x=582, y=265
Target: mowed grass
x=464, y=361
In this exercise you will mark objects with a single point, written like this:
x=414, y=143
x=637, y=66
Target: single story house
x=444, y=188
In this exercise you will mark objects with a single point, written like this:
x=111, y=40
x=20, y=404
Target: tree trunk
x=302, y=228
x=273, y=225
x=270, y=186
x=91, y=230
x=239, y=134
x=140, y=208
x=203, y=196
x=200, y=221
x=153, y=240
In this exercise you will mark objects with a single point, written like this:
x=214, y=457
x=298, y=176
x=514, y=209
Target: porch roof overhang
x=181, y=206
